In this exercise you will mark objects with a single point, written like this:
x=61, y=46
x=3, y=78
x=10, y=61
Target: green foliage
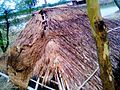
x=5, y=11
x=26, y=4
x=9, y=16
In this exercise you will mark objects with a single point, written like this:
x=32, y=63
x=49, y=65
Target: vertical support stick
x=37, y=84
x=99, y=31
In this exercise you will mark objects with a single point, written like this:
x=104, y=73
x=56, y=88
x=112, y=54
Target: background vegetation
x=16, y=15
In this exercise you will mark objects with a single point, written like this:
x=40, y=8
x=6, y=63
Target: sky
x=49, y=1
x=40, y=2
x=8, y=4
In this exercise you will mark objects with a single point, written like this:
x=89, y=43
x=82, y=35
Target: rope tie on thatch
x=113, y=29
x=80, y=87
x=45, y=20
x=6, y=76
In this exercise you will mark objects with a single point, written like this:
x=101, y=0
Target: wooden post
x=99, y=31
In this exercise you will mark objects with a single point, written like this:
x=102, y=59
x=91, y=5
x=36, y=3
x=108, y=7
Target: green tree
x=8, y=12
x=99, y=31
x=26, y=4
x=5, y=11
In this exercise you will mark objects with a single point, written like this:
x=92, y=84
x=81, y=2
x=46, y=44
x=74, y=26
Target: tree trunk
x=7, y=32
x=1, y=42
x=99, y=31
x=2, y=45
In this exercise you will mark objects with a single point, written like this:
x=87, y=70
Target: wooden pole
x=99, y=31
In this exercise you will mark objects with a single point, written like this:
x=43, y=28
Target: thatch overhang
x=57, y=42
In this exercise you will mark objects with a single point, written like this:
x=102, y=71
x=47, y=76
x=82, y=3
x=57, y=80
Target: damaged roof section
x=56, y=42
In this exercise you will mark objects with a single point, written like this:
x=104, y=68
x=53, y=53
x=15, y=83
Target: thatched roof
x=58, y=42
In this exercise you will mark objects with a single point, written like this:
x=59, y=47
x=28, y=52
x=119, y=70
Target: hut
x=58, y=43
